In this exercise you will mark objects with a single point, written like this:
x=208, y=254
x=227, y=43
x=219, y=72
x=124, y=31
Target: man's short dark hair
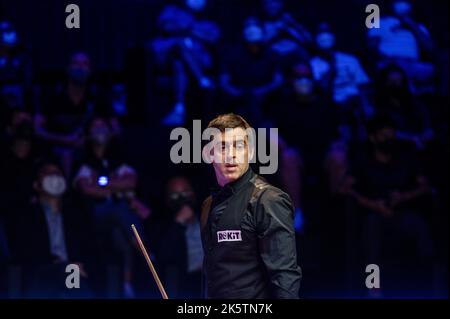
x=229, y=120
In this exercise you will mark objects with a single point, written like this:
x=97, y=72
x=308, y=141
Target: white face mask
x=325, y=40
x=54, y=185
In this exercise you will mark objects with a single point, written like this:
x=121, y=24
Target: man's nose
x=230, y=154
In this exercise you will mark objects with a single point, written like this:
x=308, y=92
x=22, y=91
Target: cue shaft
x=149, y=263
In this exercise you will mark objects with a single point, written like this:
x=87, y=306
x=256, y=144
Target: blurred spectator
x=15, y=72
x=4, y=250
x=393, y=96
x=250, y=73
x=307, y=125
x=50, y=235
x=64, y=113
x=108, y=187
x=19, y=153
x=342, y=75
x=179, y=249
x=183, y=53
x=286, y=37
x=387, y=183
x=406, y=42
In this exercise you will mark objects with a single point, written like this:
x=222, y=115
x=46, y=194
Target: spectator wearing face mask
x=394, y=97
x=250, y=73
x=179, y=252
x=305, y=118
x=19, y=152
x=51, y=234
x=387, y=183
x=66, y=110
x=183, y=55
x=107, y=185
x=402, y=40
x=286, y=37
x=342, y=75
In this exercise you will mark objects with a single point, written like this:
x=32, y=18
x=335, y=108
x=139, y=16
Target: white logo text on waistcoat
x=229, y=235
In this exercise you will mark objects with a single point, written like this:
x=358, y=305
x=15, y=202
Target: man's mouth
x=231, y=165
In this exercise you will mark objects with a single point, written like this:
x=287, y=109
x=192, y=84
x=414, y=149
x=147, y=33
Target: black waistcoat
x=232, y=265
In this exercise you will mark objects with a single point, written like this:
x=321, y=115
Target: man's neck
x=223, y=182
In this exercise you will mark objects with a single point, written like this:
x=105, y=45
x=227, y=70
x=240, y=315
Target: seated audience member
x=49, y=236
x=286, y=37
x=179, y=251
x=389, y=188
x=19, y=152
x=184, y=54
x=250, y=73
x=108, y=187
x=393, y=97
x=66, y=111
x=306, y=122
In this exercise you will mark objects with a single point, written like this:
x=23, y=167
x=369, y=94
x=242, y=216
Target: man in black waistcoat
x=247, y=225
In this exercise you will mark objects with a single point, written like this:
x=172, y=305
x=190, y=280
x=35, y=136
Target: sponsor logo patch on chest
x=229, y=235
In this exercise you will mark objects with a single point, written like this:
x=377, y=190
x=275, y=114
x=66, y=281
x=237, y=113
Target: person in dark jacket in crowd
x=50, y=235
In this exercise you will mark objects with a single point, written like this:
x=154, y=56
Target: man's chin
x=231, y=176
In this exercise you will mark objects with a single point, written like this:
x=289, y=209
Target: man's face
x=230, y=155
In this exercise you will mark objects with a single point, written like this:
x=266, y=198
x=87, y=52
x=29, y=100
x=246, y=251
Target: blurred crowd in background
x=363, y=147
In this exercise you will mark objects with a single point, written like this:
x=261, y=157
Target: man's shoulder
x=267, y=193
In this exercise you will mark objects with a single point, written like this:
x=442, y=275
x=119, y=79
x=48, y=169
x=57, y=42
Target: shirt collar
x=241, y=181
x=234, y=186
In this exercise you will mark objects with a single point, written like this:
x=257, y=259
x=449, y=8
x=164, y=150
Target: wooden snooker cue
x=149, y=262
